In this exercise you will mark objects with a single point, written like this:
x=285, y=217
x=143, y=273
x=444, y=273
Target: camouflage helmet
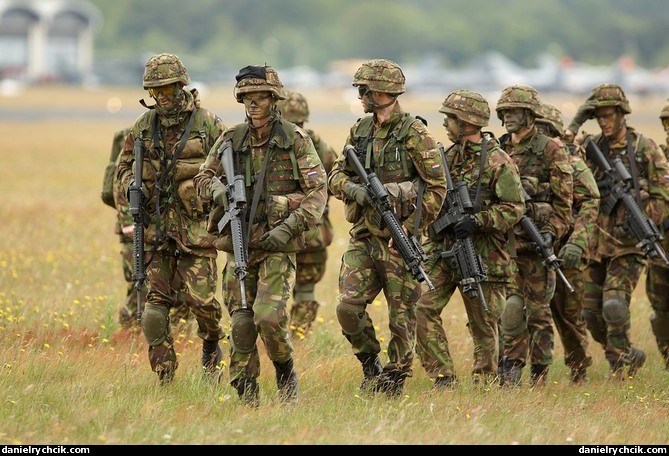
x=294, y=108
x=552, y=116
x=164, y=69
x=467, y=106
x=519, y=96
x=609, y=95
x=258, y=79
x=380, y=75
x=665, y=110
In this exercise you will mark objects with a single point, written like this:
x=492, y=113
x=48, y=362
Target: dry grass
x=67, y=374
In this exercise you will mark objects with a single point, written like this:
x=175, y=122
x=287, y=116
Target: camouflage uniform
x=617, y=263
x=499, y=208
x=127, y=315
x=179, y=252
x=546, y=176
x=403, y=154
x=284, y=176
x=312, y=259
x=657, y=276
x=566, y=306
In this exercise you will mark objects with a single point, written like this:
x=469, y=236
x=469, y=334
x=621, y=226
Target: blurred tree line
x=228, y=34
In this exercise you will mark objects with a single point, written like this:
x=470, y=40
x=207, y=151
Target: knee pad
x=615, y=311
x=155, y=323
x=243, y=331
x=659, y=321
x=352, y=318
x=304, y=292
x=513, y=316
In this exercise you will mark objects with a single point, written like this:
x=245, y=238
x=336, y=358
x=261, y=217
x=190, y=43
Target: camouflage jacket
x=314, y=251
x=400, y=151
x=546, y=176
x=652, y=172
x=501, y=202
x=295, y=182
x=174, y=210
x=585, y=208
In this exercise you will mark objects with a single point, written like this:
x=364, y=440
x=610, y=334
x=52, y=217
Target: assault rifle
x=545, y=249
x=409, y=248
x=236, y=193
x=458, y=205
x=138, y=212
x=618, y=181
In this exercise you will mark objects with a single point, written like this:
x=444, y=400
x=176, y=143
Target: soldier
x=657, y=276
x=403, y=153
x=575, y=246
x=287, y=187
x=124, y=227
x=312, y=259
x=546, y=176
x=176, y=135
x=618, y=262
x=493, y=180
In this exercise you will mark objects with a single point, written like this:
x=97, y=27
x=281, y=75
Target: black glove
x=145, y=191
x=466, y=227
x=548, y=240
x=359, y=193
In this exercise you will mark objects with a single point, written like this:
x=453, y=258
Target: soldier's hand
x=145, y=191
x=571, y=255
x=358, y=193
x=466, y=227
x=276, y=238
x=219, y=192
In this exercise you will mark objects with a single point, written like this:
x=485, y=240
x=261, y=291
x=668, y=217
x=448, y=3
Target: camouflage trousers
x=567, y=311
x=305, y=307
x=612, y=279
x=432, y=342
x=169, y=273
x=180, y=314
x=657, y=290
x=367, y=268
x=535, y=284
x=268, y=285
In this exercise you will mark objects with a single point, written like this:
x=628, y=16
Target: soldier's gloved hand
x=466, y=227
x=571, y=255
x=359, y=193
x=548, y=240
x=219, y=192
x=276, y=238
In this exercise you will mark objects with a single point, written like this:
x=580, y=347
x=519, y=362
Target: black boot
x=211, y=355
x=513, y=371
x=248, y=391
x=578, y=376
x=538, y=374
x=286, y=381
x=391, y=383
x=371, y=369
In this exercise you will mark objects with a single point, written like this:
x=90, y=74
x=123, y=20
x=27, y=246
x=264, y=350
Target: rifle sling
x=633, y=171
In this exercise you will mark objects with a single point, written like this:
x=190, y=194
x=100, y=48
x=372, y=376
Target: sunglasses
x=363, y=90
x=255, y=98
x=166, y=91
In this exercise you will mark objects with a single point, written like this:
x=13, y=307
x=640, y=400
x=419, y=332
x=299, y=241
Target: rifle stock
x=409, y=248
x=236, y=194
x=137, y=210
x=459, y=205
x=637, y=224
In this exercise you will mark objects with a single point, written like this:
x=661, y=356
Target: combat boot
x=211, y=355
x=286, y=381
x=371, y=369
x=166, y=376
x=513, y=371
x=578, y=376
x=635, y=358
x=445, y=383
x=538, y=374
x=391, y=383
x=248, y=391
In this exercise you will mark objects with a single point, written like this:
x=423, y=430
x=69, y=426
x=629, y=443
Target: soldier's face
x=258, y=105
x=609, y=119
x=164, y=95
x=452, y=127
x=513, y=119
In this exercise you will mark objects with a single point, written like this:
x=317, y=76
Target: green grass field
x=68, y=375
